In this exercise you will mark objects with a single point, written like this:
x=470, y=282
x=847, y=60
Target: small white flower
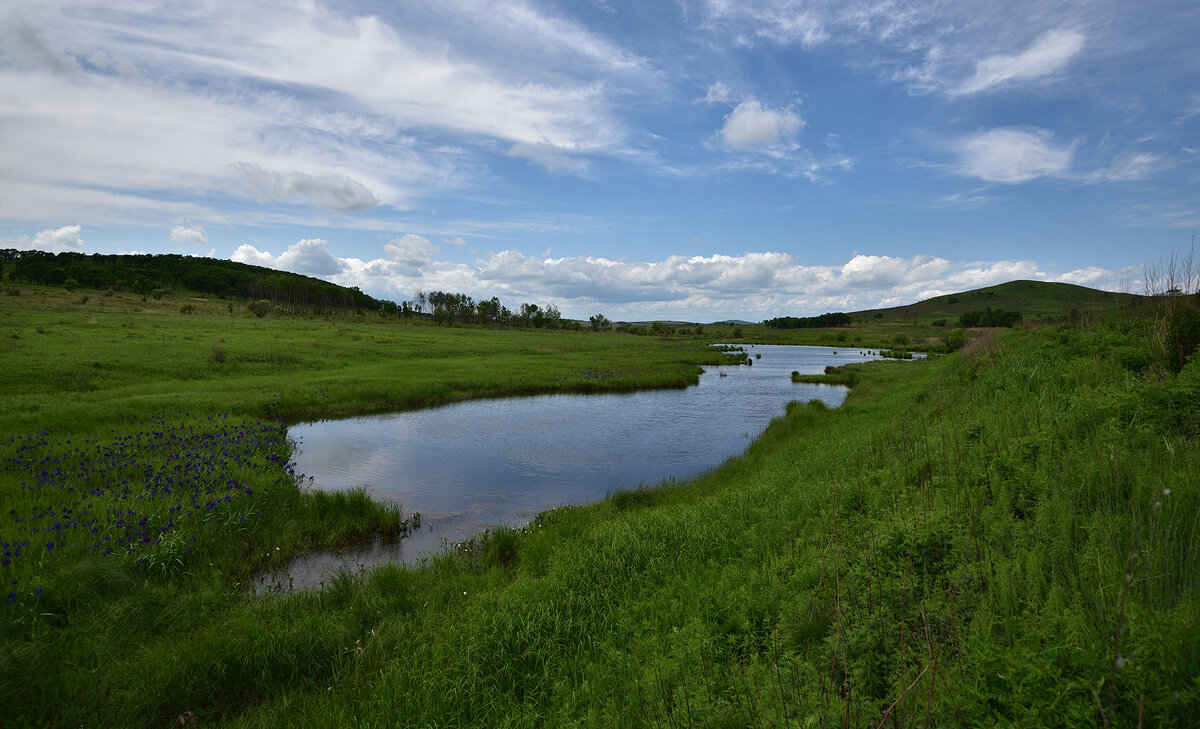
x=1166, y=492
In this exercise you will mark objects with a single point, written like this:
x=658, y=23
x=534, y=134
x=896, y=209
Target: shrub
x=1182, y=337
x=260, y=308
x=989, y=317
x=187, y=309
x=939, y=322
x=70, y=284
x=954, y=339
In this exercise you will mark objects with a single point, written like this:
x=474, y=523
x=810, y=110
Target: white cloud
x=754, y=285
x=751, y=124
x=309, y=256
x=24, y=40
x=718, y=93
x=411, y=251
x=1013, y=155
x=59, y=240
x=550, y=156
x=247, y=253
x=368, y=111
x=1103, y=278
x=329, y=193
x=192, y=235
x=1128, y=166
x=1049, y=54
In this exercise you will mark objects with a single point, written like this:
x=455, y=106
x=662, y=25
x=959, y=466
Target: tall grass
x=1003, y=537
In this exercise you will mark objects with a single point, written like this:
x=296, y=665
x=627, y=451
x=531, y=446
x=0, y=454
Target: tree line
x=266, y=288
x=144, y=274
x=989, y=317
x=446, y=307
x=830, y=319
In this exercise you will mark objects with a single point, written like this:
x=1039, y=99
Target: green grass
x=82, y=367
x=1036, y=300
x=1003, y=537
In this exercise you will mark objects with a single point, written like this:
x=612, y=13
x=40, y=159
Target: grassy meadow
x=1007, y=536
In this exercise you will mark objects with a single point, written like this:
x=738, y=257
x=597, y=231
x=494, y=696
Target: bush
x=187, y=309
x=70, y=284
x=1183, y=337
x=260, y=308
x=954, y=339
x=989, y=317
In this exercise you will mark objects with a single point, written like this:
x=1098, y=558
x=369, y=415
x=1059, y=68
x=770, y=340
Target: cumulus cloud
x=755, y=285
x=1102, y=278
x=550, y=156
x=751, y=124
x=1013, y=155
x=59, y=240
x=410, y=250
x=309, y=256
x=249, y=254
x=337, y=194
x=1048, y=54
x=192, y=235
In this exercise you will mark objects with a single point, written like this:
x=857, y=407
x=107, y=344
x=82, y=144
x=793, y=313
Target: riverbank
x=1004, y=536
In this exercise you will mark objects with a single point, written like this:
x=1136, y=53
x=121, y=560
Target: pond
x=472, y=465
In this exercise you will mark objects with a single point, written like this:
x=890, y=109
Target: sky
x=679, y=159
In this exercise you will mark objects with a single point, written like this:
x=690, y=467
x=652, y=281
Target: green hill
x=1034, y=299
x=146, y=274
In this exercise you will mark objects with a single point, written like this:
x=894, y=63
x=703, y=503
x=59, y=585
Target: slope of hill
x=1034, y=299
x=144, y=274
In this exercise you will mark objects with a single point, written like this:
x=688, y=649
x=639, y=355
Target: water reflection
x=472, y=465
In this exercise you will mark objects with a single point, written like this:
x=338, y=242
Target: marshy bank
x=1006, y=536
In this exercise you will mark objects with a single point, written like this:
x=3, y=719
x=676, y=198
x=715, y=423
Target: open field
x=1003, y=537
x=80, y=365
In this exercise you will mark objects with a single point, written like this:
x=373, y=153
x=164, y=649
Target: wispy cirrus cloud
x=307, y=104
x=1048, y=54
x=1013, y=155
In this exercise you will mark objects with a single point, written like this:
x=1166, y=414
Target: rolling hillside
x=1034, y=299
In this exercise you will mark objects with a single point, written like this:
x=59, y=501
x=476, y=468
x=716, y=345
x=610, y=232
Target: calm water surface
x=472, y=465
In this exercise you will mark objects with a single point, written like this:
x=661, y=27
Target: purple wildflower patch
x=135, y=497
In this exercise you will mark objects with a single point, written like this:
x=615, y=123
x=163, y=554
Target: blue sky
x=693, y=159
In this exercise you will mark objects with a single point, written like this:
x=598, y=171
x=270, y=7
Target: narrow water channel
x=469, y=466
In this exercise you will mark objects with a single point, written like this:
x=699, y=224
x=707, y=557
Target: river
x=472, y=465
